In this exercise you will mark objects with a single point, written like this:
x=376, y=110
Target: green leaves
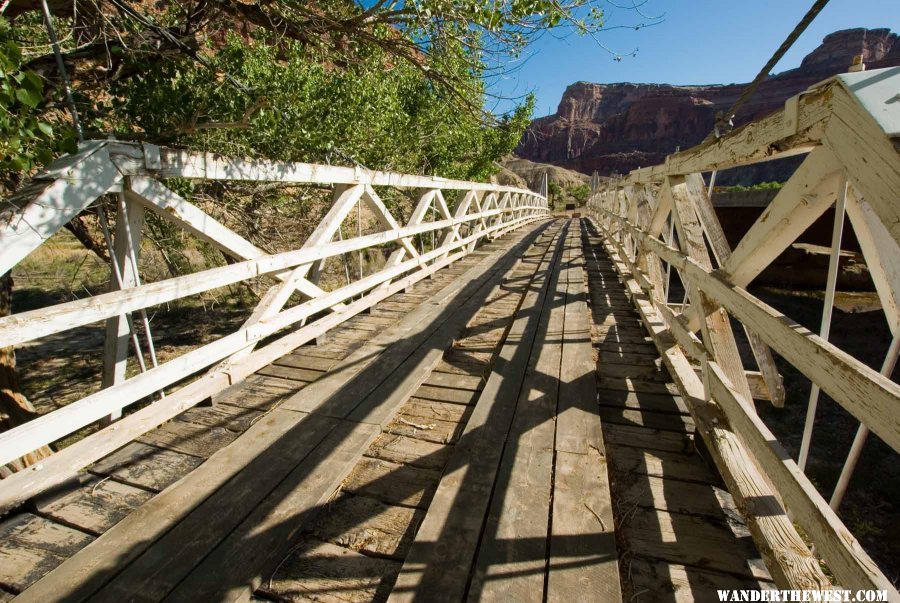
x=26, y=140
x=384, y=115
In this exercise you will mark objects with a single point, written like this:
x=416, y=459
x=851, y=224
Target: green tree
x=27, y=136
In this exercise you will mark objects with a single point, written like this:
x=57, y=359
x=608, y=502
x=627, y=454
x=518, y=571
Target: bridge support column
x=119, y=329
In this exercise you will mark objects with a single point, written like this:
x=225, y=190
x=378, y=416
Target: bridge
x=518, y=405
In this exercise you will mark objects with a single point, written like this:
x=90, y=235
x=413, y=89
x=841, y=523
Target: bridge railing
x=129, y=176
x=660, y=219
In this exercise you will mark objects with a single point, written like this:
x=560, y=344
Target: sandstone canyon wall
x=614, y=128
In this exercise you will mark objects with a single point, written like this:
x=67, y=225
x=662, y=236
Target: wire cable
x=724, y=121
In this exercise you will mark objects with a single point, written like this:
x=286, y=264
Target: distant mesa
x=614, y=128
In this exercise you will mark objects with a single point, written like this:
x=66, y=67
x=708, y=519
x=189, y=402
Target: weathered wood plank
x=367, y=525
x=409, y=451
x=640, y=401
x=256, y=547
x=690, y=540
x=674, y=583
x=456, y=381
x=147, y=466
x=641, y=418
x=674, y=496
x=583, y=564
x=328, y=573
x=658, y=463
x=430, y=430
x=94, y=505
x=512, y=554
x=225, y=416
x=392, y=483
x=31, y=546
x=188, y=438
x=442, y=554
x=785, y=552
x=446, y=394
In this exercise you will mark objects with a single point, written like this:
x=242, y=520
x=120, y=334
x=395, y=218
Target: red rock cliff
x=619, y=127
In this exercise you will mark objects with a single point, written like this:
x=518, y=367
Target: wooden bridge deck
x=503, y=430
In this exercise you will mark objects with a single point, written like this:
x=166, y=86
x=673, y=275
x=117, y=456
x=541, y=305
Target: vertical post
x=825, y=329
x=712, y=184
x=887, y=368
x=119, y=329
x=671, y=243
x=359, y=234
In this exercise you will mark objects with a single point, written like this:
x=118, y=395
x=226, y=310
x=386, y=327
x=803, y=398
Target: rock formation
x=614, y=128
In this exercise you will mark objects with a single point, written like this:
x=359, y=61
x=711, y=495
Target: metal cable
x=723, y=119
x=61, y=65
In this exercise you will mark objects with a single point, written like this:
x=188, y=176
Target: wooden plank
x=258, y=545
x=196, y=440
x=31, y=546
x=147, y=466
x=621, y=356
x=690, y=540
x=191, y=164
x=392, y=483
x=658, y=463
x=290, y=373
x=409, y=451
x=94, y=505
x=583, y=564
x=332, y=574
x=674, y=496
x=430, y=409
x=86, y=572
x=648, y=402
x=577, y=421
x=224, y=416
x=440, y=559
x=879, y=250
x=845, y=556
x=722, y=251
x=512, y=554
x=632, y=371
x=251, y=399
x=613, y=347
x=367, y=525
x=302, y=365
x=865, y=393
x=305, y=361
x=654, y=579
x=644, y=418
x=458, y=381
x=428, y=429
x=447, y=394
x=640, y=386
x=717, y=334
x=786, y=555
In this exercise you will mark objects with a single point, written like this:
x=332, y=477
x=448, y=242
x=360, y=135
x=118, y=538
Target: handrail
x=481, y=211
x=849, y=135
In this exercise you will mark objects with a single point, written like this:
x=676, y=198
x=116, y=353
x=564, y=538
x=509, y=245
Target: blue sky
x=699, y=42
